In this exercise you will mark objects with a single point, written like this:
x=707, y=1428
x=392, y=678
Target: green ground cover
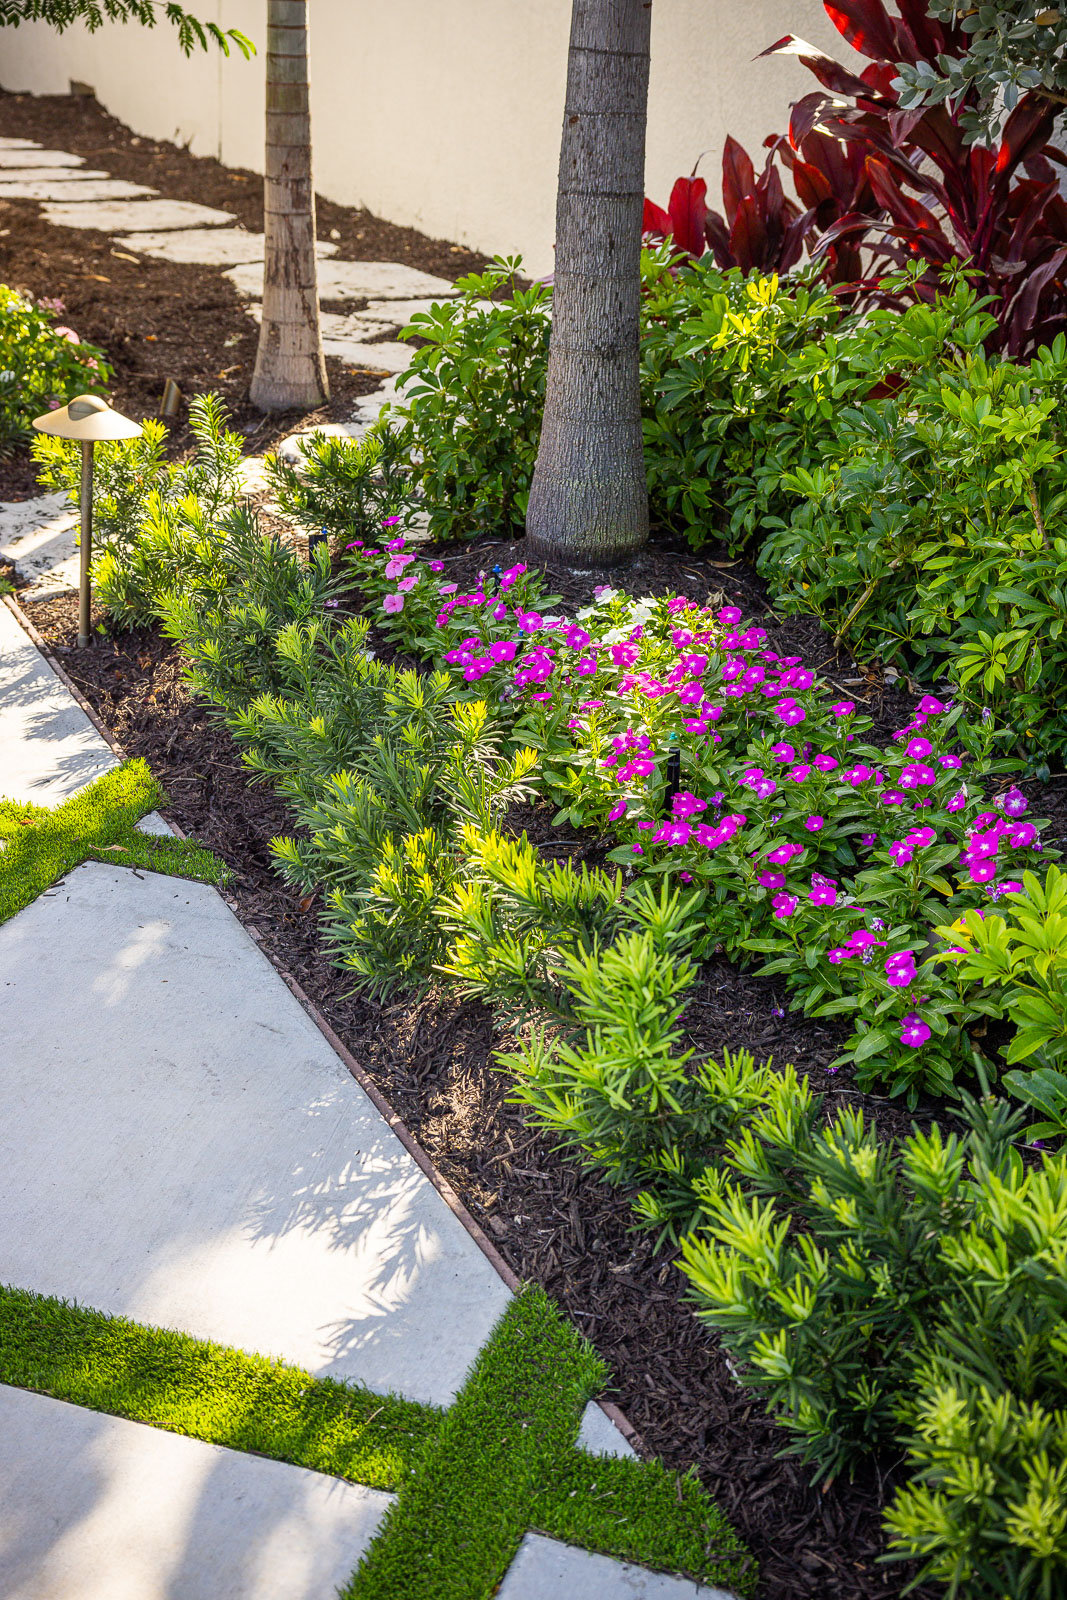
x=39, y=844
x=470, y=1481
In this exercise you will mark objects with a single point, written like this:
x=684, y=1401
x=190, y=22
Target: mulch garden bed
x=433, y=1060
x=158, y=319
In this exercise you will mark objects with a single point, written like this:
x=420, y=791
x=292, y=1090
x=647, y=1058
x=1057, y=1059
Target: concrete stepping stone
x=544, y=1569
x=19, y=144
x=180, y=1145
x=97, y=1508
x=48, y=747
x=37, y=539
x=206, y=248
x=135, y=216
x=385, y=356
x=356, y=280
x=72, y=187
x=36, y=157
x=65, y=179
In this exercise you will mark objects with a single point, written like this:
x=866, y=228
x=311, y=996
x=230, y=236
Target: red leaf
x=813, y=186
x=656, y=220
x=804, y=116
x=688, y=210
x=748, y=236
x=738, y=177
x=867, y=27
x=1026, y=132
x=718, y=236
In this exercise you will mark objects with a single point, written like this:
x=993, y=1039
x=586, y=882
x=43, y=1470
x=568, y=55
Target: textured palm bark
x=290, y=368
x=588, y=502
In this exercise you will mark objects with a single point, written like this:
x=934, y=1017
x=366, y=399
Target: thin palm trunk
x=290, y=368
x=589, y=498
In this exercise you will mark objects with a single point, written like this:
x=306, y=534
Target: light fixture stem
x=84, y=595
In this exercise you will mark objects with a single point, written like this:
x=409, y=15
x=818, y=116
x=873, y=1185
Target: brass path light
x=89, y=420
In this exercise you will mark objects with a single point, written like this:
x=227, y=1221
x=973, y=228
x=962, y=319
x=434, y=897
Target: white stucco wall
x=442, y=114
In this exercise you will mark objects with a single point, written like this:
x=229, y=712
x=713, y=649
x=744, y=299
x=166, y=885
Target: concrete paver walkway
x=96, y=1508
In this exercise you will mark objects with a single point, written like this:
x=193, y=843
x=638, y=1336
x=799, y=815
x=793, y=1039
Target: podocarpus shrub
x=156, y=523
x=344, y=487
x=42, y=364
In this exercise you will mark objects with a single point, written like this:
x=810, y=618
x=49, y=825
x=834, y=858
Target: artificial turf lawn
x=470, y=1481
x=38, y=844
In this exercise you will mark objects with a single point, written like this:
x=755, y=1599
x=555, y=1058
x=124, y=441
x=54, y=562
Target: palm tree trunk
x=290, y=368
x=589, y=497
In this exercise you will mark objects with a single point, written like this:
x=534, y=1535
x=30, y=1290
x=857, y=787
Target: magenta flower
x=437, y=566
x=448, y=588
x=950, y=763
x=617, y=811
x=783, y=752
x=921, y=838
x=916, y=748
x=788, y=712
x=545, y=694
x=823, y=763
x=673, y=833
x=801, y=771
x=784, y=905
x=1013, y=804
x=637, y=850
x=729, y=615
x=823, y=894
x=929, y=707
x=687, y=805
x=390, y=522
x=1022, y=834
x=783, y=854
x=901, y=853
x=503, y=650
x=983, y=871
x=529, y=621
x=585, y=666
x=916, y=775
x=838, y=954
x=914, y=1031
x=406, y=585
x=893, y=797
x=900, y=970
x=843, y=708
x=396, y=564
x=772, y=880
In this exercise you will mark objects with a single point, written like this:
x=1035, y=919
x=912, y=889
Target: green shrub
x=156, y=523
x=42, y=365
x=741, y=379
x=929, y=534
x=469, y=416
x=346, y=487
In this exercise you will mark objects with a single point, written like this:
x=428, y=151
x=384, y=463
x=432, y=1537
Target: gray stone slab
x=65, y=180
x=384, y=356
x=356, y=280
x=97, y=1508
x=179, y=1144
x=71, y=188
x=544, y=1569
x=209, y=249
x=599, y=1435
x=34, y=156
x=136, y=216
x=48, y=747
x=37, y=539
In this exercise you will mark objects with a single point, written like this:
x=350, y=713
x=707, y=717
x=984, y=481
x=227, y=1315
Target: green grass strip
x=505, y=1461
x=208, y=1391
x=470, y=1481
x=39, y=844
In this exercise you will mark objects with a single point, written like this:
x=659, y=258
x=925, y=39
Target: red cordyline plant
x=903, y=186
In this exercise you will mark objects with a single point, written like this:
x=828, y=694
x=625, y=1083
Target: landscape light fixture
x=89, y=420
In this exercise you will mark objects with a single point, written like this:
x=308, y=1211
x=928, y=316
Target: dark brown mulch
x=553, y=1223
x=157, y=319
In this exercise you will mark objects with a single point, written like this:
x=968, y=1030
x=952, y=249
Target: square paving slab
x=48, y=747
x=179, y=1144
x=98, y=1508
x=547, y=1570
x=135, y=216
x=208, y=248
x=356, y=280
x=72, y=186
x=37, y=538
x=36, y=157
